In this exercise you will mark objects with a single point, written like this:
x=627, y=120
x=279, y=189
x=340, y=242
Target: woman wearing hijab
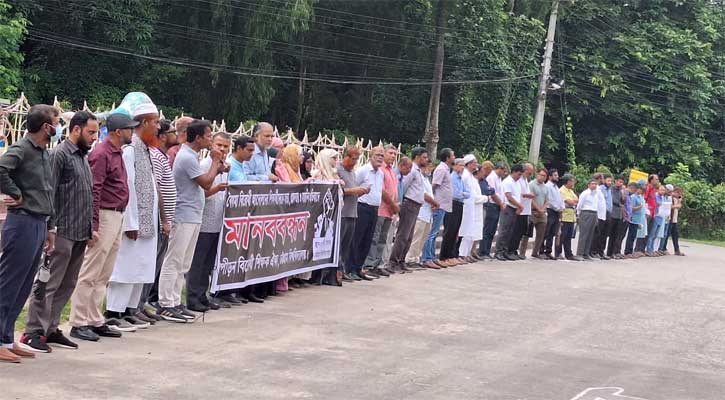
x=308, y=163
x=325, y=171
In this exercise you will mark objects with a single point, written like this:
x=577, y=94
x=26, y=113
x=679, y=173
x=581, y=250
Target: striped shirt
x=73, y=198
x=165, y=181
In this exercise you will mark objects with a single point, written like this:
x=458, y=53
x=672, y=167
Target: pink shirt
x=390, y=186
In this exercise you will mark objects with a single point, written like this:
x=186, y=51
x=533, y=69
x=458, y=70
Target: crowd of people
x=120, y=227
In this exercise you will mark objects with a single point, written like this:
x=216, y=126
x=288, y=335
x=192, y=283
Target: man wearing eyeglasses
x=27, y=181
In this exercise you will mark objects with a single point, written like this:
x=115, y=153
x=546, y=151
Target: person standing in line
x=637, y=219
x=662, y=213
x=674, y=231
x=388, y=209
x=443, y=195
x=471, y=228
x=605, y=225
x=205, y=251
x=568, y=217
x=540, y=204
x=452, y=222
x=136, y=262
x=259, y=167
x=662, y=249
x=553, y=215
x=422, y=223
x=191, y=181
x=520, y=237
x=483, y=172
x=493, y=207
x=413, y=191
x=180, y=127
x=26, y=179
x=351, y=190
x=618, y=227
x=405, y=165
x=73, y=205
x=110, y=198
x=588, y=209
x=513, y=207
x=650, y=197
x=325, y=171
x=371, y=178
x=164, y=178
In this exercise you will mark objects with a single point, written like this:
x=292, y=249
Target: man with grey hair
x=259, y=167
x=180, y=125
x=351, y=191
x=369, y=177
x=387, y=210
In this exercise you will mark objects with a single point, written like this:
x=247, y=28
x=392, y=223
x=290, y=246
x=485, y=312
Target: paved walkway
x=530, y=330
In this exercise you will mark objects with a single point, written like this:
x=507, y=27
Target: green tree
x=12, y=31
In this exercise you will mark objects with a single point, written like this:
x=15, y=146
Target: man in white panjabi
x=136, y=261
x=472, y=223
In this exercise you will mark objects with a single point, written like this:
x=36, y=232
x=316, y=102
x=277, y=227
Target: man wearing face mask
x=73, y=202
x=26, y=181
x=136, y=261
x=110, y=197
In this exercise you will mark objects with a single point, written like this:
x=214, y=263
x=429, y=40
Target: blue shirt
x=460, y=192
x=485, y=189
x=637, y=215
x=607, y=192
x=236, y=171
x=259, y=166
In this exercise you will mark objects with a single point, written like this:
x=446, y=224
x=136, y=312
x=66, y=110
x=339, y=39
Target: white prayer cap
x=669, y=187
x=468, y=158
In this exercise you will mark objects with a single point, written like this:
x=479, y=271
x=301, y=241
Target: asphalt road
x=650, y=329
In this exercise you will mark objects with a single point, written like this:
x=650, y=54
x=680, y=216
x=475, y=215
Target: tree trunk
x=431, y=136
x=301, y=94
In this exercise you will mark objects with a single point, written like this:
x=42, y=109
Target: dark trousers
x=451, y=226
x=631, y=238
x=552, y=229
x=490, y=223
x=671, y=231
x=601, y=233
x=521, y=226
x=346, y=232
x=642, y=243
x=197, y=279
x=150, y=291
x=506, y=224
x=66, y=260
x=21, y=243
x=616, y=235
x=367, y=216
x=567, y=233
x=587, y=226
x=404, y=235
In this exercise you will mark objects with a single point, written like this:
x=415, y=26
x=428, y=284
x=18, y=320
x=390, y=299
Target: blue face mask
x=58, y=131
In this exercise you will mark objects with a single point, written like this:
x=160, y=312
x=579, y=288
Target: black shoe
x=57, y=339
x=365, y=277
x=405, y=268
x=605, y=258
x=575, y=258
x=104, y=331
x=198, y=307
x=190, y=316
x=382, y=272
x=85, y=333
x=347, y=277
x=501, y=257
x=512, y=257
x=213, y=305
x=230, y=299
x=171, y=314
x=587, y=258
x=220, y=303
x=521, y=256
x=252, y=298
x=34, y=342
x=485, y=257
x=355, y=277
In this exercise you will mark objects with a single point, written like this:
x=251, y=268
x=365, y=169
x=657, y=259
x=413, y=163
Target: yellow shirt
x=569, y=214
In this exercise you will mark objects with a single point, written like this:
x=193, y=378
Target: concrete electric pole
x=543, y=86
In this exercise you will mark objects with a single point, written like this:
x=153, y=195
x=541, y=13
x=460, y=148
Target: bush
x=703, y=211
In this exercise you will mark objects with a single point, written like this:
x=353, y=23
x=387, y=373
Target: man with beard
x=136, y=262
x=110, y=197
x=388, y=208
x=73, y=203
x=26, y=179
x=180, y=138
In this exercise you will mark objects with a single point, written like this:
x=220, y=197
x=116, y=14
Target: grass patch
x=718, y=243
x=20, y=323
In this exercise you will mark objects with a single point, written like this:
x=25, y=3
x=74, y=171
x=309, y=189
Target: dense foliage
x=645, y=80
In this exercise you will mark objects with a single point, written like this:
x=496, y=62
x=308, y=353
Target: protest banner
x=272, y=231
x=636, y=175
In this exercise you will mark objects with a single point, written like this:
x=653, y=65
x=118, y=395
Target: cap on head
x=669, y=187
x=468, y=158
x=459, y=161
x=120, y=121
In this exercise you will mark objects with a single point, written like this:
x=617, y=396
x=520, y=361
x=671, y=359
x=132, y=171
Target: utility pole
x=431, y=136
x=543, y=84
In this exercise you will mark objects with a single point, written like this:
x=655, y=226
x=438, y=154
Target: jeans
x=631, y=238
x=429, y=248
x=552, y=229
x=567, y=232
x=674, y=232
x=656, y=224
x=490, y=223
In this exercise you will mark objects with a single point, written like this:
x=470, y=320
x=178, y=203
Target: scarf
x=325, y=166
x=144, y=186
x=291, y=162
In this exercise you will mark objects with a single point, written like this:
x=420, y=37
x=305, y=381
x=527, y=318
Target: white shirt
x=556, y=203
x=425, y=213
x=373, y=179
x=494, y=182
x=513, y=187
x=665, y=208
x=509, y=185
x=524, y=183
x=601, y=206
x=588, y=201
